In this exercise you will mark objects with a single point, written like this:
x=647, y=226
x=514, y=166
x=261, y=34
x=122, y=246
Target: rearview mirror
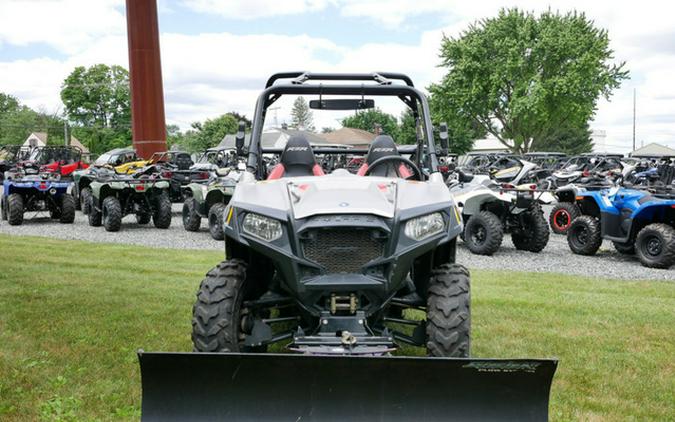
x=342, y=104
x=239, y=139
x=443, y=134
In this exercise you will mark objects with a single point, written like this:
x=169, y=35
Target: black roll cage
x=384, y=86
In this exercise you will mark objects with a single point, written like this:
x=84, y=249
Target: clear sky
x=217, y=54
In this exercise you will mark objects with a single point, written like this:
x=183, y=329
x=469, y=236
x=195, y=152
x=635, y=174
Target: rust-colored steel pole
x=145, y=73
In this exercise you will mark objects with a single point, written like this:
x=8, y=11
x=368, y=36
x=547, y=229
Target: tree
x=367, y=120
x=463, y=130
x=17, y=121
x=211, y=132
x=97, y=104
x=570, y=140
x=520, y=76
x=301, y=115
x=241, y=118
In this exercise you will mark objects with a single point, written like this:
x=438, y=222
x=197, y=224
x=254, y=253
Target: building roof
x=76, y=143
x=274, y=138
x=40, y=136
x=653, y=150
x=489, y=144
x=349, y=136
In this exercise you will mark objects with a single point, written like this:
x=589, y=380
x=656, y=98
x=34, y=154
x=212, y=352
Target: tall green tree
x=97, y=103
x=212, y=131
x=301, y=115
x=520, y=76
x=368, y=119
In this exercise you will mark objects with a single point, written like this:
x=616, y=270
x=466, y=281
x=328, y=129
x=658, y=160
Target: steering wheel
x=417, y=174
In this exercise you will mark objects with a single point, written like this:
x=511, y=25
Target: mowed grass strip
x=73, y=314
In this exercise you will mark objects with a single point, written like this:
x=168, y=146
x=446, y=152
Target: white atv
x=490, y=211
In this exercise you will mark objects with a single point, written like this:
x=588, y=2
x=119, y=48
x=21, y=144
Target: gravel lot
x=556, y=258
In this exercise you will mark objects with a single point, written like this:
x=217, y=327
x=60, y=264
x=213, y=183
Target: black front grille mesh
x=342, y=250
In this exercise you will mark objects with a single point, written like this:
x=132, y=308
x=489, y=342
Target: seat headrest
x=298, y=152
x=382, y=146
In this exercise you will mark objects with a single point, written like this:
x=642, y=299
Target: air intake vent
x=343, y=250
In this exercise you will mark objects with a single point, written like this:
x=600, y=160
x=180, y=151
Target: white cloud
x=67, y=25
x=252, y=9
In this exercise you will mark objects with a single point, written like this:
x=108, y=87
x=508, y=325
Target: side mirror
x=239, y=139
x=443, y=134
x=464, y=177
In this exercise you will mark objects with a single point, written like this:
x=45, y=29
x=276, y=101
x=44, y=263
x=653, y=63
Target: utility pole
x=66, y=138
x=633, y=119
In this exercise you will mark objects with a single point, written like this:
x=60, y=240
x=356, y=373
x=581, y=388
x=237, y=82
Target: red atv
x=55, y=159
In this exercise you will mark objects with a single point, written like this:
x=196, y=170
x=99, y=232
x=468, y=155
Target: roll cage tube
x=405, y=92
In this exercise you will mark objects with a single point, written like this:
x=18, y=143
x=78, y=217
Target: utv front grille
x=343, y=250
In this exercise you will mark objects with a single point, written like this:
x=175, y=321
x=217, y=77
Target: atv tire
x=55, y=213
x=3, y=208
x=94, y=215
x=534, y=235
x=191, y=219
x=583, y=235
x=483, y=233
x=14, y=209
x=85, y=193
x=562, y=216
x=624, y=248
x=143, y=218
x=67, y=211
x=216, y=221
x=161, y=216
x=655, y=246
x=449, y=312
x=112, y=214
x=216, y=315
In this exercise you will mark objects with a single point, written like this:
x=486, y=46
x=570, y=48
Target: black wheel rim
x=581, y=235
x=652, y=246
x=478, y=234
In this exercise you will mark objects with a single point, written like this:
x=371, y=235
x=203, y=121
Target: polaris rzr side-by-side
x=144, y=194
x=636, y=221
x=10, y=155
x=24, y=193
x=63, y=160
x=339, y=270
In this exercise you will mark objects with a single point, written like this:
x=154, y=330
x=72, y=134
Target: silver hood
x=341, y=193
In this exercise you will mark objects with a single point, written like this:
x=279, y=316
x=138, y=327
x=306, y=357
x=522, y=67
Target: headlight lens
x=263, y=227
x=422, y=227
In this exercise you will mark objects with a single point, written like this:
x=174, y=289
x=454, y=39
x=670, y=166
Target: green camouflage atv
x=209, y=201
x=114, y=196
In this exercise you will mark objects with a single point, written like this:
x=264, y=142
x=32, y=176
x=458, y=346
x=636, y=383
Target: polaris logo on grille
x=383, y=149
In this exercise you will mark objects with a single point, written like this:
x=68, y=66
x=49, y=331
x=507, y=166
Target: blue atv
x=636, y=221
x=36, y=192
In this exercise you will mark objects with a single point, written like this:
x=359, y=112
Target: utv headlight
x=263, y=227
x=422, y=227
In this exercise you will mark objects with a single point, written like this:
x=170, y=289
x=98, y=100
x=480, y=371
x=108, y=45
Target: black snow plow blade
x=275, y=387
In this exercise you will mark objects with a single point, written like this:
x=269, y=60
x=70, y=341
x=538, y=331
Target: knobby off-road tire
x=562, y=216
x=3, y=208
x=94, y=214
x=216, y=315
x=15, y=209
x=85, y=194
x=216, y=221
x=655, y=246
x=483, y=233
x=191, y=219
x=624, y=248
x=161, y=216
x=68, y=203
x=112, y=214
x=143, y=217
x=535, y=232
x=583, y=235
x=449, y=312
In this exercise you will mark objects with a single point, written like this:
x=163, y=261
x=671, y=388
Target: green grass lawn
x=72, y=315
